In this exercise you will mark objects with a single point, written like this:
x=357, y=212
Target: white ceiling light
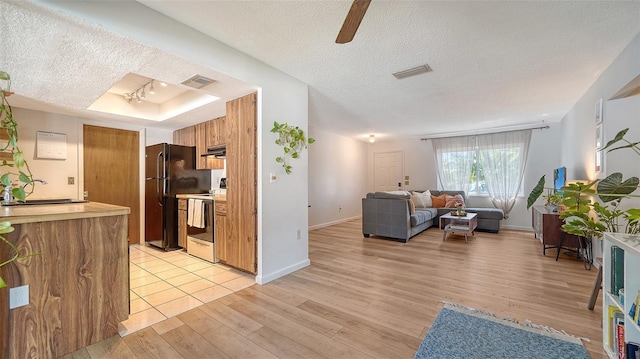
x=413, y=71
x=372, y=138
x=139, y=93
x=151, y=89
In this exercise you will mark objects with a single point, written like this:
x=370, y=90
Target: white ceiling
x=496, y=64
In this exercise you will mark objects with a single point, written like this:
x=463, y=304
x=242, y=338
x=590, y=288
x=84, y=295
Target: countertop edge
x=60, y=212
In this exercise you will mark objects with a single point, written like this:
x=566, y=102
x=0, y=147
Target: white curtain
x=454, y=160
x=503, y=157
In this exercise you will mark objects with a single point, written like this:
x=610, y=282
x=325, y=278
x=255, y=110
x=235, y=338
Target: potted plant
x=553, y=200
x=580, y=203
x=611, y=192
x=17, y=168
x=293, y=141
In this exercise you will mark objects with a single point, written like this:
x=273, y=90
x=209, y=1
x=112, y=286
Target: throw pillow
x=438, y=201
x=412, y=207
x=451, y=201
x=422, y=199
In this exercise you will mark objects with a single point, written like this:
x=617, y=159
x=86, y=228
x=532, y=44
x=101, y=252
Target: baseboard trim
x=518, y=228
x=264, y=279
x=328, y=224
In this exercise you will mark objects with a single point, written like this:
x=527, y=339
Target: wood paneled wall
x=79, y=286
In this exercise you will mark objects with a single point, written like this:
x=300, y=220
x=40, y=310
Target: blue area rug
x=462, y=332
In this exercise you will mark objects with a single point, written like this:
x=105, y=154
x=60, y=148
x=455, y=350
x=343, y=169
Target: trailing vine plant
x=17, y=167
x=293, y=141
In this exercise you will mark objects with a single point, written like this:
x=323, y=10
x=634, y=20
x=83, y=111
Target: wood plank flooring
x=375, y=298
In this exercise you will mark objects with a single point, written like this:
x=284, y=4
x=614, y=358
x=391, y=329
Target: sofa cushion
x=452, y=201
x=422, y=200
x=387, y=195
x=422, y=215
x=438, y=201
x=487, y=213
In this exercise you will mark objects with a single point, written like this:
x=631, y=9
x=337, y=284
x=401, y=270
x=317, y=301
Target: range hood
x=216, y=151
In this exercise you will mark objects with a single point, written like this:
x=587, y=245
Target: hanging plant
x=292, y=140
x=17, y=167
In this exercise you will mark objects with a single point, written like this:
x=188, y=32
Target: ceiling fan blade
x=352, y=21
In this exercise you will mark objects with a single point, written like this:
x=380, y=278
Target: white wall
x=55, y=172
x=337, y=178
x=282, y=206
x=419, y=163
x=579, y=125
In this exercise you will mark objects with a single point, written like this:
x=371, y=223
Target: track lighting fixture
x=140, y=92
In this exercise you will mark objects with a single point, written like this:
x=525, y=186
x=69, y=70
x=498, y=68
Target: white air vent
x=197, y=81
x=412, y=72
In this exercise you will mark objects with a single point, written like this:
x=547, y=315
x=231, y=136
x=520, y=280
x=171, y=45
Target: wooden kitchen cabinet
x=241, y=183
x=185, y=136
x=182, y=222
x=220, y=230
x=216, y=132
x=201, y=145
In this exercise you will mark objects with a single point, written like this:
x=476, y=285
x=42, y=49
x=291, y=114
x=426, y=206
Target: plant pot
x=551, y=207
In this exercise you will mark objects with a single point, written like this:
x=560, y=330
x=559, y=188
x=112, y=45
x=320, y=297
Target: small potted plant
x=553, y=200
x=16, y=166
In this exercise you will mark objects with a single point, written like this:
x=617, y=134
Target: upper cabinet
x=185, y=136
x=201, y=145
x=203, y=135
x=216, y=132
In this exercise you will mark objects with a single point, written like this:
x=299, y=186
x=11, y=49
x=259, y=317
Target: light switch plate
x=71, y=180
x=18, y=296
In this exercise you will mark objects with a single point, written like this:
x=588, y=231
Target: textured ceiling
x=495, y=63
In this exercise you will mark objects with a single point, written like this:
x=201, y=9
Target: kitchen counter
x=205, y=196
x=78, y=281
x=58, y=212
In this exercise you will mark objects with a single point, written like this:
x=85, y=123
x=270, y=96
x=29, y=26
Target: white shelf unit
x=631, y=246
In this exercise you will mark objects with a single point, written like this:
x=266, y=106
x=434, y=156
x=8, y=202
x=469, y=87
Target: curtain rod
x=484, y=132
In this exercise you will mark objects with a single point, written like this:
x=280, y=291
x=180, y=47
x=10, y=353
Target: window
x=491, y=164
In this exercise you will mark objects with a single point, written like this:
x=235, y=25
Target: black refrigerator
x=169, y=170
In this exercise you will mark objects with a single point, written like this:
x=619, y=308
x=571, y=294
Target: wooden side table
x=459, y=224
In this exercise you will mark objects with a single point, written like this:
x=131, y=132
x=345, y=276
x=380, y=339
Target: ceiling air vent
x=412, y=72
x=197, y=81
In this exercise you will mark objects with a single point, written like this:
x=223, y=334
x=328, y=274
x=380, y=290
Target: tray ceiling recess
x=152, y=99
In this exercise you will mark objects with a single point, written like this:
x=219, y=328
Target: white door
x=388, y=171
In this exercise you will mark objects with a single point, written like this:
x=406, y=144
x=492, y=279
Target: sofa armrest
x=386, y=217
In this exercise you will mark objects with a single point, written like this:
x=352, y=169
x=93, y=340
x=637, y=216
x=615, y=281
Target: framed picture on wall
x=599, y=111
x=599, y=136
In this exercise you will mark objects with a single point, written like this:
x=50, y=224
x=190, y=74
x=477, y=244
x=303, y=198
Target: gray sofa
x=388, y=215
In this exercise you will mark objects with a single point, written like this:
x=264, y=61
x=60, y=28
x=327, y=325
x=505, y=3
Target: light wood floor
x=364, y=298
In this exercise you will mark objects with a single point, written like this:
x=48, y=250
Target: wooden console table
x=547, y=227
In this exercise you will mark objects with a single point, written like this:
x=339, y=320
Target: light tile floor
x=165, y=284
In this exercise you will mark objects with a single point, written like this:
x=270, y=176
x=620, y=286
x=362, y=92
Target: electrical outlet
x=85, y=194
x=71, y=180
x=18, y=296
x=298, y=234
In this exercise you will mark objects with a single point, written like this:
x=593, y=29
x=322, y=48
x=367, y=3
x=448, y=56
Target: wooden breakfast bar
x=78, y=284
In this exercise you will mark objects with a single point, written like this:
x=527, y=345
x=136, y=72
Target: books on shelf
x=614, y=314
x=617, y=269
x=620, y=347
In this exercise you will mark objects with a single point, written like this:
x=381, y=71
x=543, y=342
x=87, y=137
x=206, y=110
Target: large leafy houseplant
x=16, y=168
x=600, y=197
x=293, y=141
